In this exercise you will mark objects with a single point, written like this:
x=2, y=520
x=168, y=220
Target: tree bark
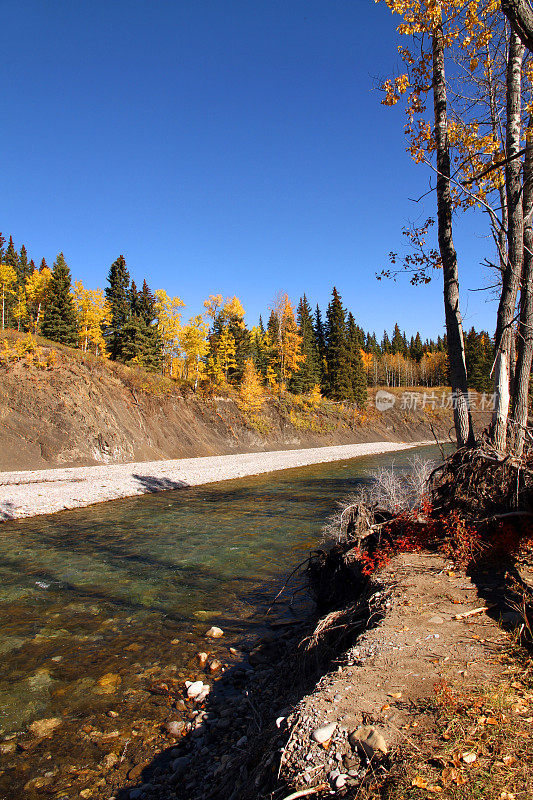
x=454, y=326
x=520, y=15
x=525, y=324
x=515, y=247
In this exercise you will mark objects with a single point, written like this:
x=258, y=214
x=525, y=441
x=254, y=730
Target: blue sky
x=223, y=146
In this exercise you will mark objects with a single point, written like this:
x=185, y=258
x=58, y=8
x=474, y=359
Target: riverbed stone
x=214, y=632
x=194, y=689
x=175, y=727
x=44, y=727
x=370, y=740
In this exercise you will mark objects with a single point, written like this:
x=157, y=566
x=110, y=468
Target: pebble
x=370, y=740
x=194, y=689
x=324, y=734
x=215, y=665
x=214, y=632
x=202, y=658
x=436, y=621
x=44, y=727
x=179, y=764
x=340, y=781
x=175, y=727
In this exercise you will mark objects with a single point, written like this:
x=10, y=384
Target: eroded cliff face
x=82, y=411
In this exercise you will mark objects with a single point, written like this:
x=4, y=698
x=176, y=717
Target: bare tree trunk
x=525, y=324
x=454, y=326
x=515, y=247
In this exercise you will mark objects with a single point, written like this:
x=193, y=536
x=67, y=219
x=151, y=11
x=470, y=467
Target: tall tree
x=356, y=363
x=59, y=317
x=308, y=372
x=118, y=297
x=339, y=379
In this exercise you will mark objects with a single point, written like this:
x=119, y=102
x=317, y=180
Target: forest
x=299, y=349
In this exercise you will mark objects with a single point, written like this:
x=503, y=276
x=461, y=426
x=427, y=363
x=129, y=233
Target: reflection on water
x=116, y=587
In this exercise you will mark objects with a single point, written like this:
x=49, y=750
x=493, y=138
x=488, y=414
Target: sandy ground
x=25, y=494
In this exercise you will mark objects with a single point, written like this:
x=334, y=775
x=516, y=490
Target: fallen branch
x=466, y=614
x=306, y=792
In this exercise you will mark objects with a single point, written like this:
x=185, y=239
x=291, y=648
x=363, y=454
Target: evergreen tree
x=23, y=266
x=320, y=345
x=11, y=256
x=397, y=343
x=118, y=296
x=2, y=249
x=416, y=350
x=59, y=317
x=479, y=353
x=308, y=372
x=339, y=380
x=385, y=343
x=356, y=366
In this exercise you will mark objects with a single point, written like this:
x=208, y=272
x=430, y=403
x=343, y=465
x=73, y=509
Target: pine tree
x=397, y=344
x=308, y=372
x=356, y=365
x=2, y=249
x=59, y=317
x=416, y=350
x=24, y=268
x=320, y=346
x=339, y=380
x=385, y=344
x=118, y=296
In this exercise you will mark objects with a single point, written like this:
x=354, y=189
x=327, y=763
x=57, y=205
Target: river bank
x=33, y=492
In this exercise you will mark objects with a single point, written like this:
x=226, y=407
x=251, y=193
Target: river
x=127, y=589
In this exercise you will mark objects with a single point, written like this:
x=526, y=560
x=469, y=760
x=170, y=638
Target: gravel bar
x=32, y=492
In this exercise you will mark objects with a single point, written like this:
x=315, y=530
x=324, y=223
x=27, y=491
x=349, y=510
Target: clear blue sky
x=232, y=146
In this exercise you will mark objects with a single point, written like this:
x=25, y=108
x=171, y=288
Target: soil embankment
x=78, y=410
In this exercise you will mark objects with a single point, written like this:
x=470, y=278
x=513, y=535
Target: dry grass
x=475, y=744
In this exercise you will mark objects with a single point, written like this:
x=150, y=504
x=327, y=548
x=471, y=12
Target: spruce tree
x=355, y=338
x=320, y=346
x=339, y=380
x=59, y=316
x=398, y=343
x=43, y=265
x=23, y=266
x=308, y=372
x=2, y=249
x=118, y=296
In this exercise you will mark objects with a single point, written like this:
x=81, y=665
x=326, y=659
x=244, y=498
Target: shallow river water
x=124, y=587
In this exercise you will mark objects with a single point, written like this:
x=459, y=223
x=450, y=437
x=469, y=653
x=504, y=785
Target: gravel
x=25, y=494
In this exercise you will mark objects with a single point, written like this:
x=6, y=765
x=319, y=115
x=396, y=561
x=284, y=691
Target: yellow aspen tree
x=251, y=391
x=93, y=312
x=36, y=288
x=289, y=340
x=168, y=316
x=315, y=396
x=226, y=352
x=20, y=309
x=8, y=279
x=193, y=341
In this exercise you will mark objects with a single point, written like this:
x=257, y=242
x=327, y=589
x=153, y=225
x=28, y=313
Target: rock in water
x=195, y=689
x=44, y=727
x=175, y=727
x=202, y=658
x=215, y=665
x=214, y=632
x=324, y=734
x=370, y=740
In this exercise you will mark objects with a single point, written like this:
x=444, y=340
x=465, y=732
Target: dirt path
x=394, y=667
x=24, y=494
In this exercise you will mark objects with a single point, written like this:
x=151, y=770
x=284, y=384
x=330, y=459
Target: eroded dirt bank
x=84, y=411
x=256, y=734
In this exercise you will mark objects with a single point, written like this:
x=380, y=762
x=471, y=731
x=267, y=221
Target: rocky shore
x=24, y=494
x=288, y=718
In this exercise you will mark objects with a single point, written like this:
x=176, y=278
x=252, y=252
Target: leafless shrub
x=389, y=489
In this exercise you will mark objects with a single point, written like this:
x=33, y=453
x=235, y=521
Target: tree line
x=298, y=349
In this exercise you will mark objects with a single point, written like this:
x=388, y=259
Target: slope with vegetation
x=60, y=406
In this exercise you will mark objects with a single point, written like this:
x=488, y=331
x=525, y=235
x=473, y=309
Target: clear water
x=126, y=585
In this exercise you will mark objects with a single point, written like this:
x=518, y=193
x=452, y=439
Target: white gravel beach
x=32, y=492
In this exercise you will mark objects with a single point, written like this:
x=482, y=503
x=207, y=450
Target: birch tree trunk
x=525, y=324
x=454, y=326
x=515, y=247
